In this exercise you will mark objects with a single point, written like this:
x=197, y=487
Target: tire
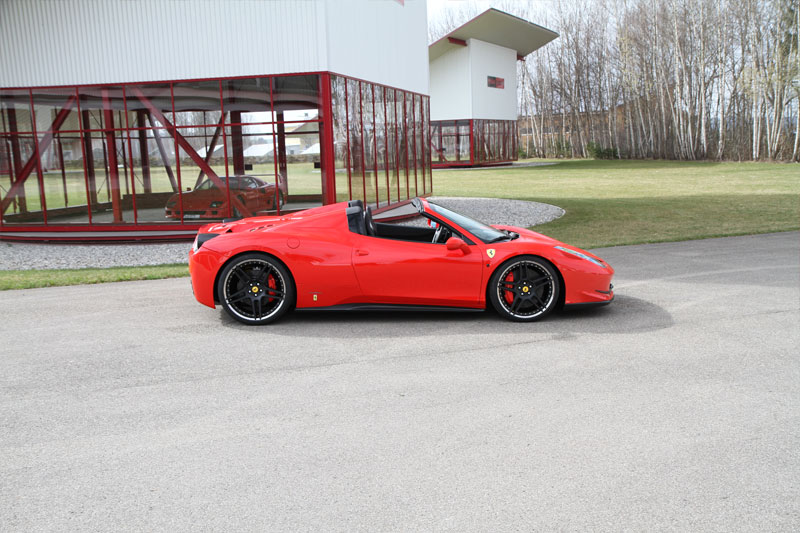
x=524, y=289
x=255, y=289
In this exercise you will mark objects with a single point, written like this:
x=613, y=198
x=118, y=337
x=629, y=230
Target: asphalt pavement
x=128, y=406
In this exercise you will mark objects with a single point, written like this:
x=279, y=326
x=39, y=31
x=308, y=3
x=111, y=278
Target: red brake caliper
x=508, y=295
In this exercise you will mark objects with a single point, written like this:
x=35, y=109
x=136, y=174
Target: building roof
x=496, y=27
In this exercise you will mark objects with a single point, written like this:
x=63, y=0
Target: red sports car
x=338, y=257
x=207, y=200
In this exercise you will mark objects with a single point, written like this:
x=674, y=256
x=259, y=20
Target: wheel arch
x=245, y=252
x=561, y=296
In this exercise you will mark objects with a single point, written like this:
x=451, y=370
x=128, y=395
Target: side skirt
x=391, y=307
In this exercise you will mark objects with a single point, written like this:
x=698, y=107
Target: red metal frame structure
x=118, y=131
x=474, y=142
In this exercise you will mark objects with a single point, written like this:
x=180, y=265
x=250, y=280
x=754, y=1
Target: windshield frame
x=482, y=232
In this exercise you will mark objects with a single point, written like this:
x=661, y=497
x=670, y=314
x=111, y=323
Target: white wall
x=384, y=41
x=451, y=86
x=45, y=42
x=491, y=60
x=459, y=88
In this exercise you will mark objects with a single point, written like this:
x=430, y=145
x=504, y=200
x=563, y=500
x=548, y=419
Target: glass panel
x=302, y=187
x=252, y=173
x=367, y=120
x=391, y=142
x=429, y=188
x=24, y=205
x=142, y=100
x=95, y=100
x=355, y=140
x=247, y=101
x=402, y=144
x=56, y=107
x=15, y=111
x=63, y=178
x=296, y=98
x=204, y=196
x=380, y=146
x=155, y=176
x=110, y=192
x=412, y=170
x=339, y=105
x=197, y=103
x=420, y=169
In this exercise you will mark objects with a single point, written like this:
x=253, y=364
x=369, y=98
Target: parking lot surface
x=128, y=406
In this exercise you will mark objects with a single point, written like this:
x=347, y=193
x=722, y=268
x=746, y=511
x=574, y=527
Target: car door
x=416, y=273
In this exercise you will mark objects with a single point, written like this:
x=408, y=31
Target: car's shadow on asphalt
x=625, y=315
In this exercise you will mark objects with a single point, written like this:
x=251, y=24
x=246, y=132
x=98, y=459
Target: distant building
x=473, y=88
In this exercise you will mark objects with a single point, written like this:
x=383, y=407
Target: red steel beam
x=328, y=157
x=16, y=155
x=237, y=145
x=211, y=148
x=44, y=143
x=283, y=173
x=459, y=42
x=190, y=151
x=111, y=144
x=89, y=162
x=144, y=153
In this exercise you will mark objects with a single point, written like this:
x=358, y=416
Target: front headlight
x=216, y=204
x=581, y=255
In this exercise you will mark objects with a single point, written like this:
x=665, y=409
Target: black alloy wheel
x=524, y=289
x=255, y=289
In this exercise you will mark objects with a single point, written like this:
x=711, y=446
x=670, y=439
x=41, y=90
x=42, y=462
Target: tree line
x=671, y=79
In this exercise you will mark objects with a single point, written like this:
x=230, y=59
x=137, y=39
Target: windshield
x=485, y=233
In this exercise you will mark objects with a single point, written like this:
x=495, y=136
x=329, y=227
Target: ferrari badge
x=490, y=252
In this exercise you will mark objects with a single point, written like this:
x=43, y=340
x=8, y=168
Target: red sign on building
x=497, y=83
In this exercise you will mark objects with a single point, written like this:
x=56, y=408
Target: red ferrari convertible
x=338, y=257
x=209, y=201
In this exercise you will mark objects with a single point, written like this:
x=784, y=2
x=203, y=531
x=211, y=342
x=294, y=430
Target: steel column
x=237, y=144
x=111, y=146
x=327, y=146
x=16, y=156
x=144, y=153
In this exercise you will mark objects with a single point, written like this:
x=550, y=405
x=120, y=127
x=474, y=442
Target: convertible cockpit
x=418, y=228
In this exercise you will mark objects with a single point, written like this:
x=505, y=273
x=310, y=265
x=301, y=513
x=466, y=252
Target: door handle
x=362, y=252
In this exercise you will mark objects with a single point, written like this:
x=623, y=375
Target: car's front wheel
x=255, y=289
x=524, y=289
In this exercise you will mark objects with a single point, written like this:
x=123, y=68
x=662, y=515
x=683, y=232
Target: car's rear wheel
x=524, y=289
x=255, y=289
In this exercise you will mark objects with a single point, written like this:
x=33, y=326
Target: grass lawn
x=607, y=203
x=29, y=279
x=611, y=203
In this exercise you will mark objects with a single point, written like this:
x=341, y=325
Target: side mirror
x=454, y=243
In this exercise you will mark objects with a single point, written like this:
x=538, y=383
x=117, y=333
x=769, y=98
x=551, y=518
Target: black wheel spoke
x=273, y=292
x=240, y=297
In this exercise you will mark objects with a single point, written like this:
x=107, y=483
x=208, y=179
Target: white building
x=473, y=88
